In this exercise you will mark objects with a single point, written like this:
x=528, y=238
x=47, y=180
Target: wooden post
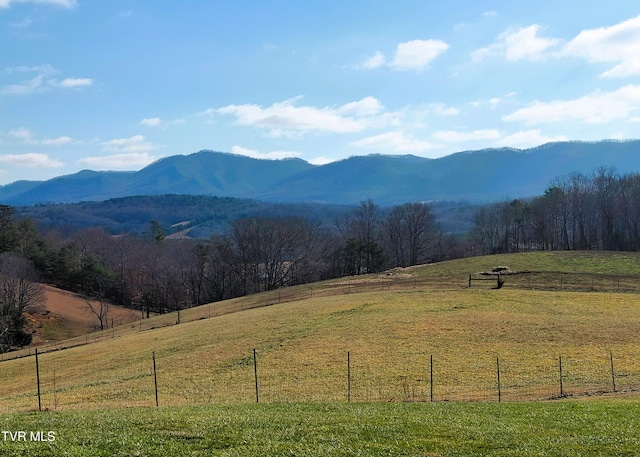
x=499, y=385
x=613, y=373
x=38, y=380
x=469, y=279
x=561, y=387
x=155, y=376
x=348, y=376
x=431, y=377
x=55, y=393
x=255, y=373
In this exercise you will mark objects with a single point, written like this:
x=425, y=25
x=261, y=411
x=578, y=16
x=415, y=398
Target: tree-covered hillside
x=478, y=176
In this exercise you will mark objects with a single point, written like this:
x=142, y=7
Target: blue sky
x=118, y=84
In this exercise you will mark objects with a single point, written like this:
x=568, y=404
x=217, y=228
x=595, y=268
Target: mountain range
x=477, y=176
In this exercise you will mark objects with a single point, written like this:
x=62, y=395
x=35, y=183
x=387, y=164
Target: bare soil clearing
x=66, y=315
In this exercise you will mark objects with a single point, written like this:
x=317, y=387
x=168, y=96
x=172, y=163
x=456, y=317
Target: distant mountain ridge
x=483, y=175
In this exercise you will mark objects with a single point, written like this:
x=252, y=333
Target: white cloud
x=30, y=160
x=41, y=82
x=61, y=140
x=133, y=145
x=368, y=106
x=22, y=134
x=595, y=108
x=26, y=136
x=618, y=44
x=375, y=61
x=63, y=3
x=23, y=88
x=124, y=161
x=528, y=139
x=492, y=13
x=321, y=160
x=451, y=136
x=394, y=142
x=442, y=110
x=71, y=83
x=275, y=155
x=411, y=55
x=151, y=122
x=45, y=69
x=287, y=119
x=518, y=44
x=158, y=122
x=495, y=101
x=417, y=54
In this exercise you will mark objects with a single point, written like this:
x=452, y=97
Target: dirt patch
x=397, y=272
x=65, y=315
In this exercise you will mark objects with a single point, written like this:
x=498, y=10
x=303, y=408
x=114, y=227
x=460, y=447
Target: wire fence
x=264, y=376
x=283, y=376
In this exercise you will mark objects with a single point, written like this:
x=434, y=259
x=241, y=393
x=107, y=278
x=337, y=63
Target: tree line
x=600, y=211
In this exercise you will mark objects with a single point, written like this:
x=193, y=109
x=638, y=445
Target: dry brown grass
x=302, y=351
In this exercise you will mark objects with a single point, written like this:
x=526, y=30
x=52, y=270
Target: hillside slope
x=66, y=315
x=390, y=336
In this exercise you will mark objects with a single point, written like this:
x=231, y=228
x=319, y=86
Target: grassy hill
x=390, y=332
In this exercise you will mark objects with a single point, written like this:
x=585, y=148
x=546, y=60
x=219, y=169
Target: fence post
x=431, y=377
x=348, y=376
x=155, y=375
x=469, y=279
x=499, y=385
x=561, y=387
x=255, y=373
x=613, y=373
x=38, y=381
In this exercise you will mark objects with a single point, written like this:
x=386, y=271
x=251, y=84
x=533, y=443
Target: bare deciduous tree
x=100, y=309
x=19, y=293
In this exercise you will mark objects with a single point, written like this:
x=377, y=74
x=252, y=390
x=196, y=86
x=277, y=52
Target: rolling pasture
x=419, y=338
x=375, y=341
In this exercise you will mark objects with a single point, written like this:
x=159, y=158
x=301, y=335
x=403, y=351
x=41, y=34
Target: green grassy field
x=565, y=428
x=391, y=331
